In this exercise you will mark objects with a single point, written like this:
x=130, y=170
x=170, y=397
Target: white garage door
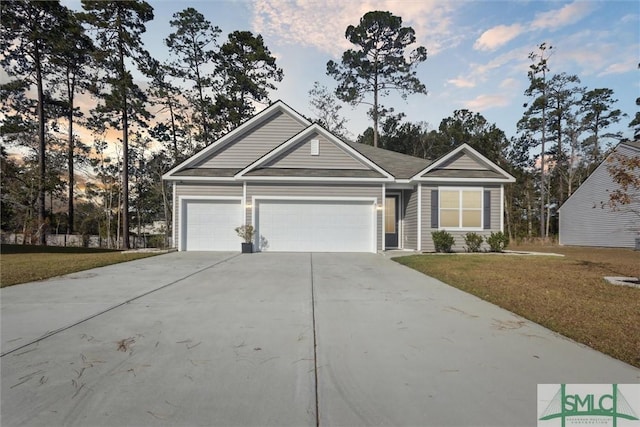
x=316, y=226
x=209, y=225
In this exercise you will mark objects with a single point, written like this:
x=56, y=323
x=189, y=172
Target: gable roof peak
x=257, y=119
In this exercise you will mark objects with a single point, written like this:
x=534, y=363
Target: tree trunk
x=125, y=142
x=173, y=131
x=542, y=150
x=70, y=152
x=375, y=104
x=42, y=228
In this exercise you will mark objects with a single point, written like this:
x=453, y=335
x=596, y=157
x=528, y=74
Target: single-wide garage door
x=209, y=225
x=316, y=226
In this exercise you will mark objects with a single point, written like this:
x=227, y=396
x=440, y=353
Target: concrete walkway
x=228, y=339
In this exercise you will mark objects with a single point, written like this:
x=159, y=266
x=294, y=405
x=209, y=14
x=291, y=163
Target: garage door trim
x=255, y=200
x=182, y=203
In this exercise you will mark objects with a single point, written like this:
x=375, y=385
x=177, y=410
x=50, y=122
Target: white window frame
x=460, y=209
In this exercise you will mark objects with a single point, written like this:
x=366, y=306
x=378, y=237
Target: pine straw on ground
x=21, y=264
x=565, y=294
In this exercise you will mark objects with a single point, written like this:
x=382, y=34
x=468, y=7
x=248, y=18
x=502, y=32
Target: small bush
x=498, y=241
x=442, y=240
x=473, y=242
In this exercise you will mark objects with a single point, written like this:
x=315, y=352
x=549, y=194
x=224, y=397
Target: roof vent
x=315, y=147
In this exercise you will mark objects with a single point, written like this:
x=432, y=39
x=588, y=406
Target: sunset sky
x=477, y=49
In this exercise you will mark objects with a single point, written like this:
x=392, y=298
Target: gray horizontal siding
x=463, y=161
x=427, y=240
x=331, y=156
x=305, y=190
x=587, y=220
x=410, y=219
x=199, y=190
x=252, y=145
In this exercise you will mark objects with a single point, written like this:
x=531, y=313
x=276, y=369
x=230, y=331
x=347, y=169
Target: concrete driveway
x=228, y=339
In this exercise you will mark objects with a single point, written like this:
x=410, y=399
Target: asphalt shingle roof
x=208, y=172
x=319, y=173
x=401, y=166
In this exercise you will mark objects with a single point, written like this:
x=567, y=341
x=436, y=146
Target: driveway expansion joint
x=113, y=307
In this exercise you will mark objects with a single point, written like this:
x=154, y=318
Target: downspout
x=384, y=209
x=501, y=208
x=419, y=242
x=176, y=244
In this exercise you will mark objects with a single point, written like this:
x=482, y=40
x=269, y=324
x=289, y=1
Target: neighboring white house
x=586, y=219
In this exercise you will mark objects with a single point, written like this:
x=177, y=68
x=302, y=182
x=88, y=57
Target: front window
x=460, y=208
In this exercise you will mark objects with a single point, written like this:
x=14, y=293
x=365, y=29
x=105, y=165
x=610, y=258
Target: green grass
x=565, y=294
x=26, y=263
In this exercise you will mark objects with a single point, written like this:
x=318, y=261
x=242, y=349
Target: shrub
x=442, y=240
x=473, y=242
x=498, y=241
x=245, y=232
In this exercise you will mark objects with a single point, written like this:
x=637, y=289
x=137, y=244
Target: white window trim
x=460, y=210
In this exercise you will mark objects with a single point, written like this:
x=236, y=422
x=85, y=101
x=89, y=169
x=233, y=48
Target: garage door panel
x=316, y=226
x=209, y=225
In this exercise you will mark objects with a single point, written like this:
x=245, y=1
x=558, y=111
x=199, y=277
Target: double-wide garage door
x=315, y=226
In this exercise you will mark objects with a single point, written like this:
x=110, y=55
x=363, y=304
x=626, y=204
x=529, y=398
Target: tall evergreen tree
x=28, y=34
x=563, y=94
x=536, y=116
x=192, y=47
x=598, y=114
x=248, y=71
x=118, y=26
x=378, y=64
x=72, y=60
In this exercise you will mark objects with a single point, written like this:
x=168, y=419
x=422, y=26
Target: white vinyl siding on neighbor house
x=253, y=144
x=329, y=156
x=587, y=220
x=326, y=191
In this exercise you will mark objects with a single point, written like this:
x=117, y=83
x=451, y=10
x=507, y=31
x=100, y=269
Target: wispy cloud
x=322, y=24
x=566, y=15
x=497, y=36
x=485, y=102
x=620, y=67
x=509, y=83
x=462, y=82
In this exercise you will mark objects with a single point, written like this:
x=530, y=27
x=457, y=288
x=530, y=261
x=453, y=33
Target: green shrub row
x=444, y=241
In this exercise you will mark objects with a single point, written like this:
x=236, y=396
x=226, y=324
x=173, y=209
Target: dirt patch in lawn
x=566, y=294
x=21, y=264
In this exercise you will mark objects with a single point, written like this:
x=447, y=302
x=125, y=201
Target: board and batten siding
x=320, y=190
x=587, y=220
x=410, y=219
x=330, y=156
x=463, y=161
x=254, y=143
x=199, y=190
x=458, y=235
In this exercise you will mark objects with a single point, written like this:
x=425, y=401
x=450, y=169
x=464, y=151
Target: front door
x=391, y=210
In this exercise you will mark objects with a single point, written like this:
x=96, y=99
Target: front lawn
x=26, y=263
x=565, y=294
